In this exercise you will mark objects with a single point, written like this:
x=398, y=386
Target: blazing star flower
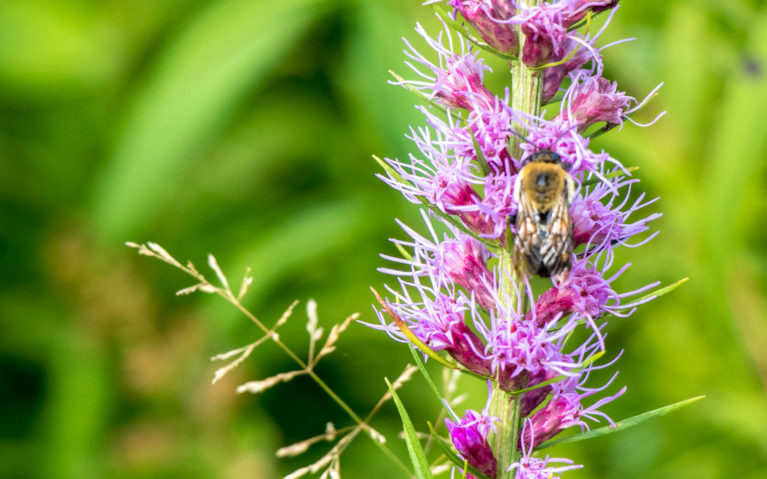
x=465, y=261
x=521, y=350
x=437, y=320
x=469, y=436
x=456, y=81
x=565, y=410
x=529, y=467
x=545, y=29
x=555, y=74
x=442, y=179
x=579, y=52
x=491, y=128
x=458, y=258
x=490, y=19
x=592, y=99
x=587, y=294
x=562, y=138
x=498, y=204
x=602, y=224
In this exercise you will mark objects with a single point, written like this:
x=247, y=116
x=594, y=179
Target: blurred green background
x=244, y=128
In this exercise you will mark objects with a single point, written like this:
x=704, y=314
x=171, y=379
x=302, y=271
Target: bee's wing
x=525, y=243
x=557, y=249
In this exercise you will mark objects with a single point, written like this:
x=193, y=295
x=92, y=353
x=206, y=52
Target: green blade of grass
x=422, y=367
x=662, y=291
x=621, y=425
x=414, y=448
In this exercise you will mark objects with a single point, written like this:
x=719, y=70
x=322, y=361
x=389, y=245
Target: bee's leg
x=561, y=277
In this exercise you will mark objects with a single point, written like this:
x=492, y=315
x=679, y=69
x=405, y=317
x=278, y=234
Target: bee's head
x=548, y=156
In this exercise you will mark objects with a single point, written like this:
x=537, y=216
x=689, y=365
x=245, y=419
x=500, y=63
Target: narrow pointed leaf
x=620, y=425
x=414, y=448
x=664, y=290
x=403, y=83
x=391, y=171
x=405, y=254
x=480, y=156
x=422, y=367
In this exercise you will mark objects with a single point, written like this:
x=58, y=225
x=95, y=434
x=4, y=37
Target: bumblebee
x=544, y=242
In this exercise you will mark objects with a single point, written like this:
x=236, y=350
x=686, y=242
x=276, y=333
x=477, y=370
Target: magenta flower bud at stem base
x=469, y=436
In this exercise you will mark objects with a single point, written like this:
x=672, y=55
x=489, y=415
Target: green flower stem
x=526, y=98
x=506, y=407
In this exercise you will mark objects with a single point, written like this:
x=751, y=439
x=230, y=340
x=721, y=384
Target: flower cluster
x=455, y=290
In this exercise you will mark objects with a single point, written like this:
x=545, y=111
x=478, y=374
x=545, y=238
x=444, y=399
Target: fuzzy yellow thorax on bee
x=544, y=241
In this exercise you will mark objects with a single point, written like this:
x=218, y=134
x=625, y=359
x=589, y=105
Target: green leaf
x=403, y=83
x=391, y=171
x=414, y=448
x=422, y=367
x=601, y=131
x=480, y=156
x=661, y=291
x=620, y=425
x=197, y=82
x=444, y=445
x=405, y=254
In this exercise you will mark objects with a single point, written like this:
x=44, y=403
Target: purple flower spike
x=469, y=436
x=529, y=467
x=490, y=19
x=457, y=292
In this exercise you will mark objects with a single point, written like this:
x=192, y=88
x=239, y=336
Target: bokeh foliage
x=245, y=128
